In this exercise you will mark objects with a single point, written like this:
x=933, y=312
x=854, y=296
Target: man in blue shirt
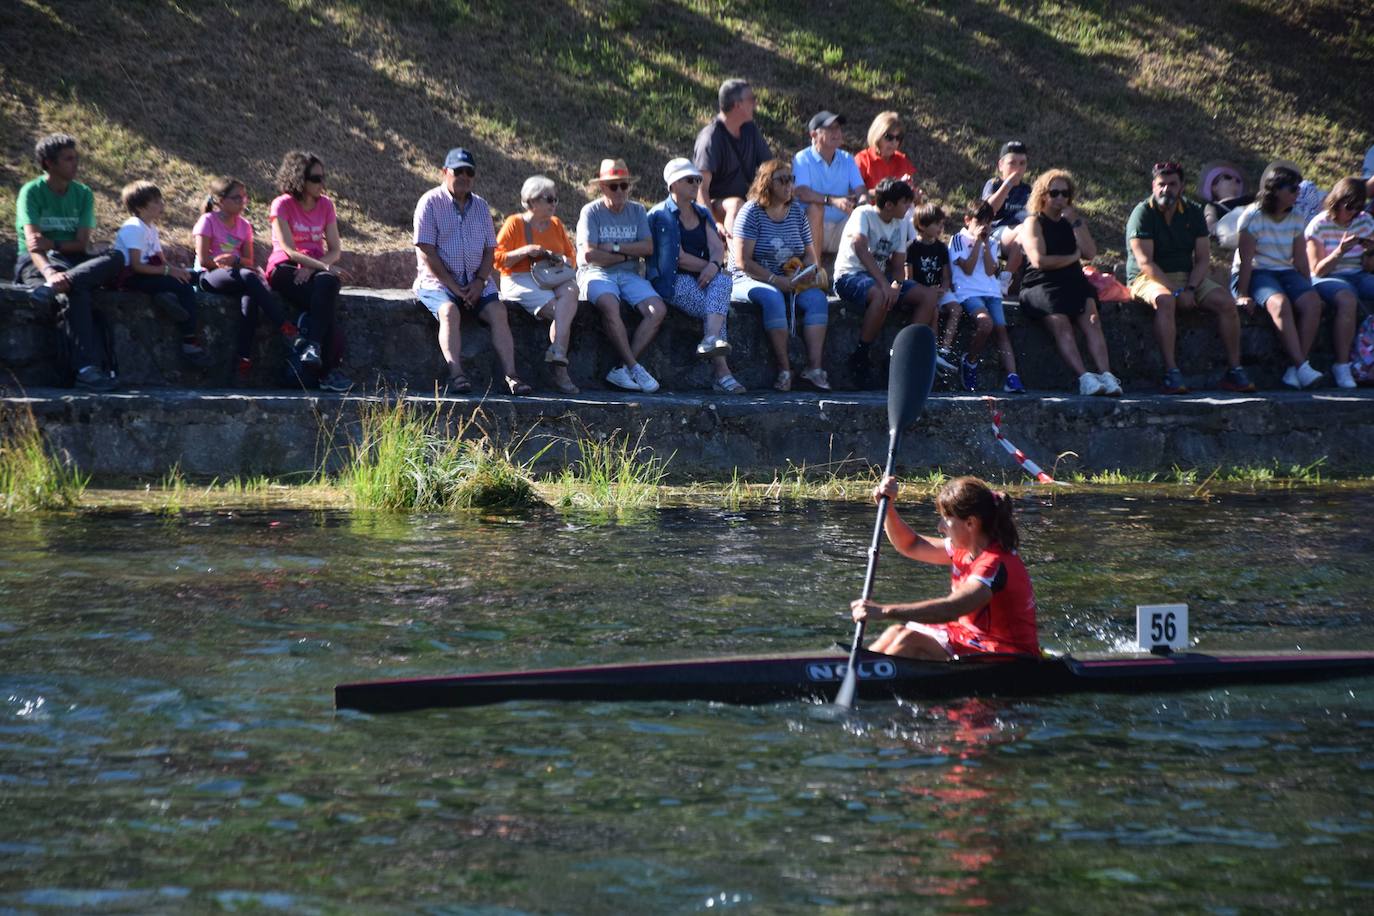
x=828, y=180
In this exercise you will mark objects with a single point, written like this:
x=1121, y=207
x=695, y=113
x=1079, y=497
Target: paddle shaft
x=874, y=545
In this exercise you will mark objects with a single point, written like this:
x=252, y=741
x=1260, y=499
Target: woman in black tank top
x=1054, y=289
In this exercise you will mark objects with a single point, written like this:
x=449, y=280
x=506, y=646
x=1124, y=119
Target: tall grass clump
x=31, y=477
x=404, y=461
x=611, y=474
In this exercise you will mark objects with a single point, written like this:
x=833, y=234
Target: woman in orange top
x=538, y=235
x=884, y=158
x=990, y=606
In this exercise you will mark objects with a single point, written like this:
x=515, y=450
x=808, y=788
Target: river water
x=167, y=742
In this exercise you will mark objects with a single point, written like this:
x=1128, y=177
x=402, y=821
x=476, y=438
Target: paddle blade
x=910, y=375
x=845, y=698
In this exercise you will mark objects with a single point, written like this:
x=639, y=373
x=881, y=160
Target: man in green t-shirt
x=54, y=216
x=1167, y=259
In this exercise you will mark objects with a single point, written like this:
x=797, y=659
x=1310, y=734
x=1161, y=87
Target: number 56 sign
x=1161, y=625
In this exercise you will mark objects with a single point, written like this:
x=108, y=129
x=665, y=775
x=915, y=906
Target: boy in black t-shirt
x=927, y=262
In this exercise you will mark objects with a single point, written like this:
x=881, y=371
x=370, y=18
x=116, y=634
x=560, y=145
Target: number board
x=1161, y=625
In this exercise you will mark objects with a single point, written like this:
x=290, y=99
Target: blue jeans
x=812, y=303
x=1265, y=284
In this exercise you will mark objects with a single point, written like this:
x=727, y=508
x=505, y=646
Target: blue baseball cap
x=458, y=158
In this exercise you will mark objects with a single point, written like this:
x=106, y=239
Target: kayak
x=756, y=679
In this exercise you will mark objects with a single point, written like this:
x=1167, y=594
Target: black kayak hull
x=770, y=678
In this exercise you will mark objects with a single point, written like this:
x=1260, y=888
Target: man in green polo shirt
x=54, y=216
x=1167, y=259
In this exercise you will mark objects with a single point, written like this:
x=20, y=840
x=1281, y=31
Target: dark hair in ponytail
x=969, y=497
x=219, y=188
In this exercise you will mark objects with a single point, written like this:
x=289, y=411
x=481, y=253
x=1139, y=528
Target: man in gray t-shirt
x=612, y=236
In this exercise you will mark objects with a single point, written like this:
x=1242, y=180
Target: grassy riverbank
x=178, y=93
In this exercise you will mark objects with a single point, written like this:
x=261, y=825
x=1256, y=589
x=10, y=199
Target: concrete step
x=392, y=344
x=220, y=433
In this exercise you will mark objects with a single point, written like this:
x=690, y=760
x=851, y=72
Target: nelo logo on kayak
x=868, y=671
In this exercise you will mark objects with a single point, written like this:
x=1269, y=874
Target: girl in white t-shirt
x=223, y=240
x=1337, y=239
x=146, y=271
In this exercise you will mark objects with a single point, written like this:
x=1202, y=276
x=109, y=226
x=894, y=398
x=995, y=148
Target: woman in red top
x=990, y=606
x=883, y=157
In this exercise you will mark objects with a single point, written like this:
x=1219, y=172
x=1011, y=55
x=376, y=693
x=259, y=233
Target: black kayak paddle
x=909, y=378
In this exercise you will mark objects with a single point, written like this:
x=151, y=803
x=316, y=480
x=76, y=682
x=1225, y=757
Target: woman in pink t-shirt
x=301, y=268
x=223, y=241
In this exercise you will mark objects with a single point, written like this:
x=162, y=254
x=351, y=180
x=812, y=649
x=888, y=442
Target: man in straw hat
x=612, y=237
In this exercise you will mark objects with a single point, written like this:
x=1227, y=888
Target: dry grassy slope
x=179, y=91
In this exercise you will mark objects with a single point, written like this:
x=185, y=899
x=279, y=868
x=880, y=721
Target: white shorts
x=521, y=289
x=832, y=230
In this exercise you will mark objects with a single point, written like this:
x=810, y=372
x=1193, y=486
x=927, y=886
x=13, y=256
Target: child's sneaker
x=1111, y=385
x=1236, y=379
x=1013, y=385
x=1173, y=382
x=1089, y=385
x=968, y=374
x=620, y=377
x=309, y=353
x=1341, y=373
x=336, y=381
x=944, y=357
x=1307, y=376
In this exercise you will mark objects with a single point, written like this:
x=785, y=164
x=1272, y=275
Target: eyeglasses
x=893, y=138
x=784, y=179
x=616, y=185
x=691, y=179
x=1058, y=192
x=317, y=178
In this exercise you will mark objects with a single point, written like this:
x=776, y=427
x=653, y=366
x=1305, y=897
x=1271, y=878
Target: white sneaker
x=1004, y=281
x=1341, y=372
x=1089, y=384
x=646, y=382
x=1307, y=376
x=1290, y=377
x=1111, y=385
x=620, y=377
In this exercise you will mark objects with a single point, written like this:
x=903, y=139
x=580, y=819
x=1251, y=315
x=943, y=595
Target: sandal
x=516, y=386
x=555, y=356
x=817, y=379
x=458, y=384
x=728, y=384
x=783, y=381
x=566, y=387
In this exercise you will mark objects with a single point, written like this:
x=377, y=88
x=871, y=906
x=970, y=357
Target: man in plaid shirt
x=455, y=242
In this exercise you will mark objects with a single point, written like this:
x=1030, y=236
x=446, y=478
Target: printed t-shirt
x=732, y=163
x=1273, y=238
x=512, y=236
x=978, y=282
x=598, y=223
x=224, y=240
x=57, y=216
x=1014, y=208
x=1007, y=622
x=884, y=239
x=1329, y=233
x=835, y=178
x=307, y=229
x=875, y=168
x=136, y=235
x=1174, y=240
x=774, y=242
x=927, y=261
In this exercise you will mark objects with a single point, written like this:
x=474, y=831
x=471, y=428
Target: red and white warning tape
x=1029, y=466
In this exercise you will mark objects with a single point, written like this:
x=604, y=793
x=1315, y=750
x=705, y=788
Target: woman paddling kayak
x=990, y=606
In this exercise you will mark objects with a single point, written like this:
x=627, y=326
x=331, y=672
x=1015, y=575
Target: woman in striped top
x=1271, y=269
x=1337, y=239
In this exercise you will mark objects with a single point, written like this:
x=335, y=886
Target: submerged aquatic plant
x=31, y=476
x=404, y=459
x=611, y=473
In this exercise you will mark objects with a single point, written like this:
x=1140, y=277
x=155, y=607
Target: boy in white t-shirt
x=973, y=269
x=870, y=269
x=146, y=271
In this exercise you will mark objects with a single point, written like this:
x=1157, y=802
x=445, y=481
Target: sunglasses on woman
x=548, y=200
x=784, y=179
x=1058, y=192
x=317, y=178
x=893, y=138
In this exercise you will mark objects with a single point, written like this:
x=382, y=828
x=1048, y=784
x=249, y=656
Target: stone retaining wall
x=392, y=344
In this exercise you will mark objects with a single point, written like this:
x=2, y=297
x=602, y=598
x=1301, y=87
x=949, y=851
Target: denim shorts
x=630, y=289
x=975, y=304
x=853, y=288
x=1265, y=284
x=436, y=299
x=1358, y=282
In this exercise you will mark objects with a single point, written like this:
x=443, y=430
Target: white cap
x=677, y=169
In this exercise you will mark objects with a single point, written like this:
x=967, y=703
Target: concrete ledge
x=392, y=344
x=223, y=433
